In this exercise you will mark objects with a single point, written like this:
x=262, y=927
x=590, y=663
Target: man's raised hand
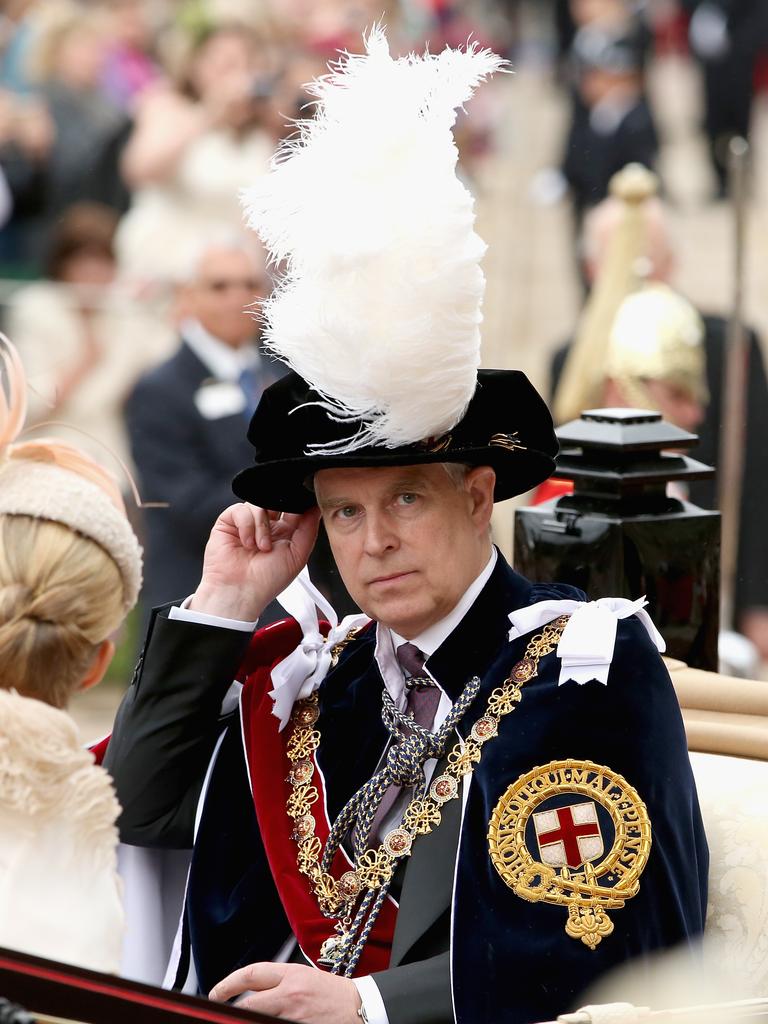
x=251, y=556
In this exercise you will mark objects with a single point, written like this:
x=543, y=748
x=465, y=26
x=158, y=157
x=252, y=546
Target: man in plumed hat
x=472, y=798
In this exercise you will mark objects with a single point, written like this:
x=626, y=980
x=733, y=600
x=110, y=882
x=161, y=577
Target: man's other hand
x=293, y=992
x=251, y=556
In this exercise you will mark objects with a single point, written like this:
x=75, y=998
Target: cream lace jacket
x=60, y=895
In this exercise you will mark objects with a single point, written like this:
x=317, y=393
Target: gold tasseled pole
x=621, y=273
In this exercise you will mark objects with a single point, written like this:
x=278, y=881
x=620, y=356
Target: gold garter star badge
x=549, y=833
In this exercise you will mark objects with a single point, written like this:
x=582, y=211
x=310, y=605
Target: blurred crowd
x=128, y=129
x=162, y=110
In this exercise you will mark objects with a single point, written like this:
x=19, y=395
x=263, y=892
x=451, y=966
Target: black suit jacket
x=752, y=567
x=592, y=158
x=187, y=461
x=747, y=21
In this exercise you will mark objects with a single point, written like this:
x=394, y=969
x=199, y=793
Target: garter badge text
x=548, y=837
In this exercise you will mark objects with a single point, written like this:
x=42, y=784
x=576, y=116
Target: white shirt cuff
x=187, y=615
x=373, y=1004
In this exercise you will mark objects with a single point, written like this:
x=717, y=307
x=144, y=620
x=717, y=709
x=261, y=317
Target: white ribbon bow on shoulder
x=300, y=674
x=587, y=644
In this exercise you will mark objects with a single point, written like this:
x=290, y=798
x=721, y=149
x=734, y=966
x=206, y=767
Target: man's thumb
x=306, y=531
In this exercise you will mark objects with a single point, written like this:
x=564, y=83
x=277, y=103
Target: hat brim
x=285, y=485
x=506, y=426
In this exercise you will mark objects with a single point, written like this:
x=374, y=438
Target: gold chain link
x=375, y=866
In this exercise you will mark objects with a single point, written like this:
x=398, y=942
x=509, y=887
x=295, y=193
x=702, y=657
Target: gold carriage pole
x=734, y=394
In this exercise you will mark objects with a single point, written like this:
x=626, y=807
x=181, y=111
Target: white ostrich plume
x=379, y=308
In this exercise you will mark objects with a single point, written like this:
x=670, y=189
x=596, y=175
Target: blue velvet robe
x=512, y=961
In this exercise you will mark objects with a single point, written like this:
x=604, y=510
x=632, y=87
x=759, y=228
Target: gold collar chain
x=337, y=898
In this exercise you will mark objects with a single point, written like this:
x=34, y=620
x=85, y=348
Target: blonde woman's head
x=70, y=564
x=61, y=596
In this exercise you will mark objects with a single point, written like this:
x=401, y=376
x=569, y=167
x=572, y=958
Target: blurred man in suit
x=188, y=417
x=726, y=38
x=611, y=119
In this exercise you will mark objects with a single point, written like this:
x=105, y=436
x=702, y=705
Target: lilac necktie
x=421, y=703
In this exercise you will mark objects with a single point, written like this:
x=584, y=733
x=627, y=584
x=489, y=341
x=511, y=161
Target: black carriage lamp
x=627, y=530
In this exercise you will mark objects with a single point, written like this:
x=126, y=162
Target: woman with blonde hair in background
x=70, y=570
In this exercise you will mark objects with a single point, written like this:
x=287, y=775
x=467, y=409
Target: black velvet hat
x=507, y=426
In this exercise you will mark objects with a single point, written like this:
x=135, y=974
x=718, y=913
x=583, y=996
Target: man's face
x=79, y=60
x=598, y=84
x=676, y=404
x=407, y=541
x=607, y=12
x=227, y=281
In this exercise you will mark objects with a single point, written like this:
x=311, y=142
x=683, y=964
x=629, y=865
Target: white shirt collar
x=223, y=361
x=388, y=641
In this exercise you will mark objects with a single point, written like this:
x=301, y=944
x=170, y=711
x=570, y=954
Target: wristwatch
x=362, y=1014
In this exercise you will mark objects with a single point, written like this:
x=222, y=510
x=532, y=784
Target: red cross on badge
x=569, y=835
